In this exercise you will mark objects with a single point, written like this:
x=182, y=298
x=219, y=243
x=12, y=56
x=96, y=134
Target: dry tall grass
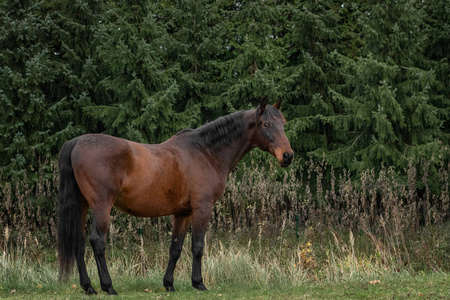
x=273, y=225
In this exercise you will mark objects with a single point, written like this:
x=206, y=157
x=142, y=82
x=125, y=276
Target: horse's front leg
x=200, y=221
x=180, y=225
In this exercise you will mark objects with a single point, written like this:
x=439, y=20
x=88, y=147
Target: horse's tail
x=69, y=231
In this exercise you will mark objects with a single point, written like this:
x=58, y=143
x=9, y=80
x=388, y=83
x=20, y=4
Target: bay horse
x=182, y=176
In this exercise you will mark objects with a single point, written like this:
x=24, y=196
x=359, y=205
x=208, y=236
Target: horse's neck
x=232, y=154
x=228, y=147
x=229, y=156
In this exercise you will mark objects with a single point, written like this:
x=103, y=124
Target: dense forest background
x=365, y=86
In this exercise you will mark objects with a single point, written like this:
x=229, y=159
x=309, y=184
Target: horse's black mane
x=220, y=132
x=183, y=131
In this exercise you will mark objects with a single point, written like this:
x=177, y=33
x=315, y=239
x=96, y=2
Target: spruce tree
x=193, y=44
x=129, y=66
x=437, y=51
x=34, y=121
x=255, y=56
x=312, y=34
x=145, y=93
x=387, y=116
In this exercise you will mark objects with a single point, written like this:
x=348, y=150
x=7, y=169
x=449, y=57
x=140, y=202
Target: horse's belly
x=153, y=203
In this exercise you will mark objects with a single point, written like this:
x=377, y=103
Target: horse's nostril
x=287, y=157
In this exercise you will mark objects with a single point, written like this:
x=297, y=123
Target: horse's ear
x=262, y=106
x=277, y=105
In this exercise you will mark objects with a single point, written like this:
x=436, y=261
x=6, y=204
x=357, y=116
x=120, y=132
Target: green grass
x=401, y=286
x=238, y=267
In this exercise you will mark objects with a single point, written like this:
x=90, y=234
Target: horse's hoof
x=200, y=286
x=90, y=291
x=111, y=291
x=170, y=288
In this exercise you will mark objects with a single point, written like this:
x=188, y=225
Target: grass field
x=265, y=267
x=401, y=286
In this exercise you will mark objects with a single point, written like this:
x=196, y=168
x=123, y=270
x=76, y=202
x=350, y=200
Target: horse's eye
x=266, y=124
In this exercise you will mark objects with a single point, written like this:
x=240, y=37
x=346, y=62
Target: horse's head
x=268, y=134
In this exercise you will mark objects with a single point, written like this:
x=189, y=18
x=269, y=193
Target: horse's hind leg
x=98, y=242
x=85, y=282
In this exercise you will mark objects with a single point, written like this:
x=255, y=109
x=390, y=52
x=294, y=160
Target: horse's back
x=141, y=179
x=100, y=152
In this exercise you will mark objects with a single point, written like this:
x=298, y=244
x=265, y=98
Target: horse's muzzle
x=287, y=159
